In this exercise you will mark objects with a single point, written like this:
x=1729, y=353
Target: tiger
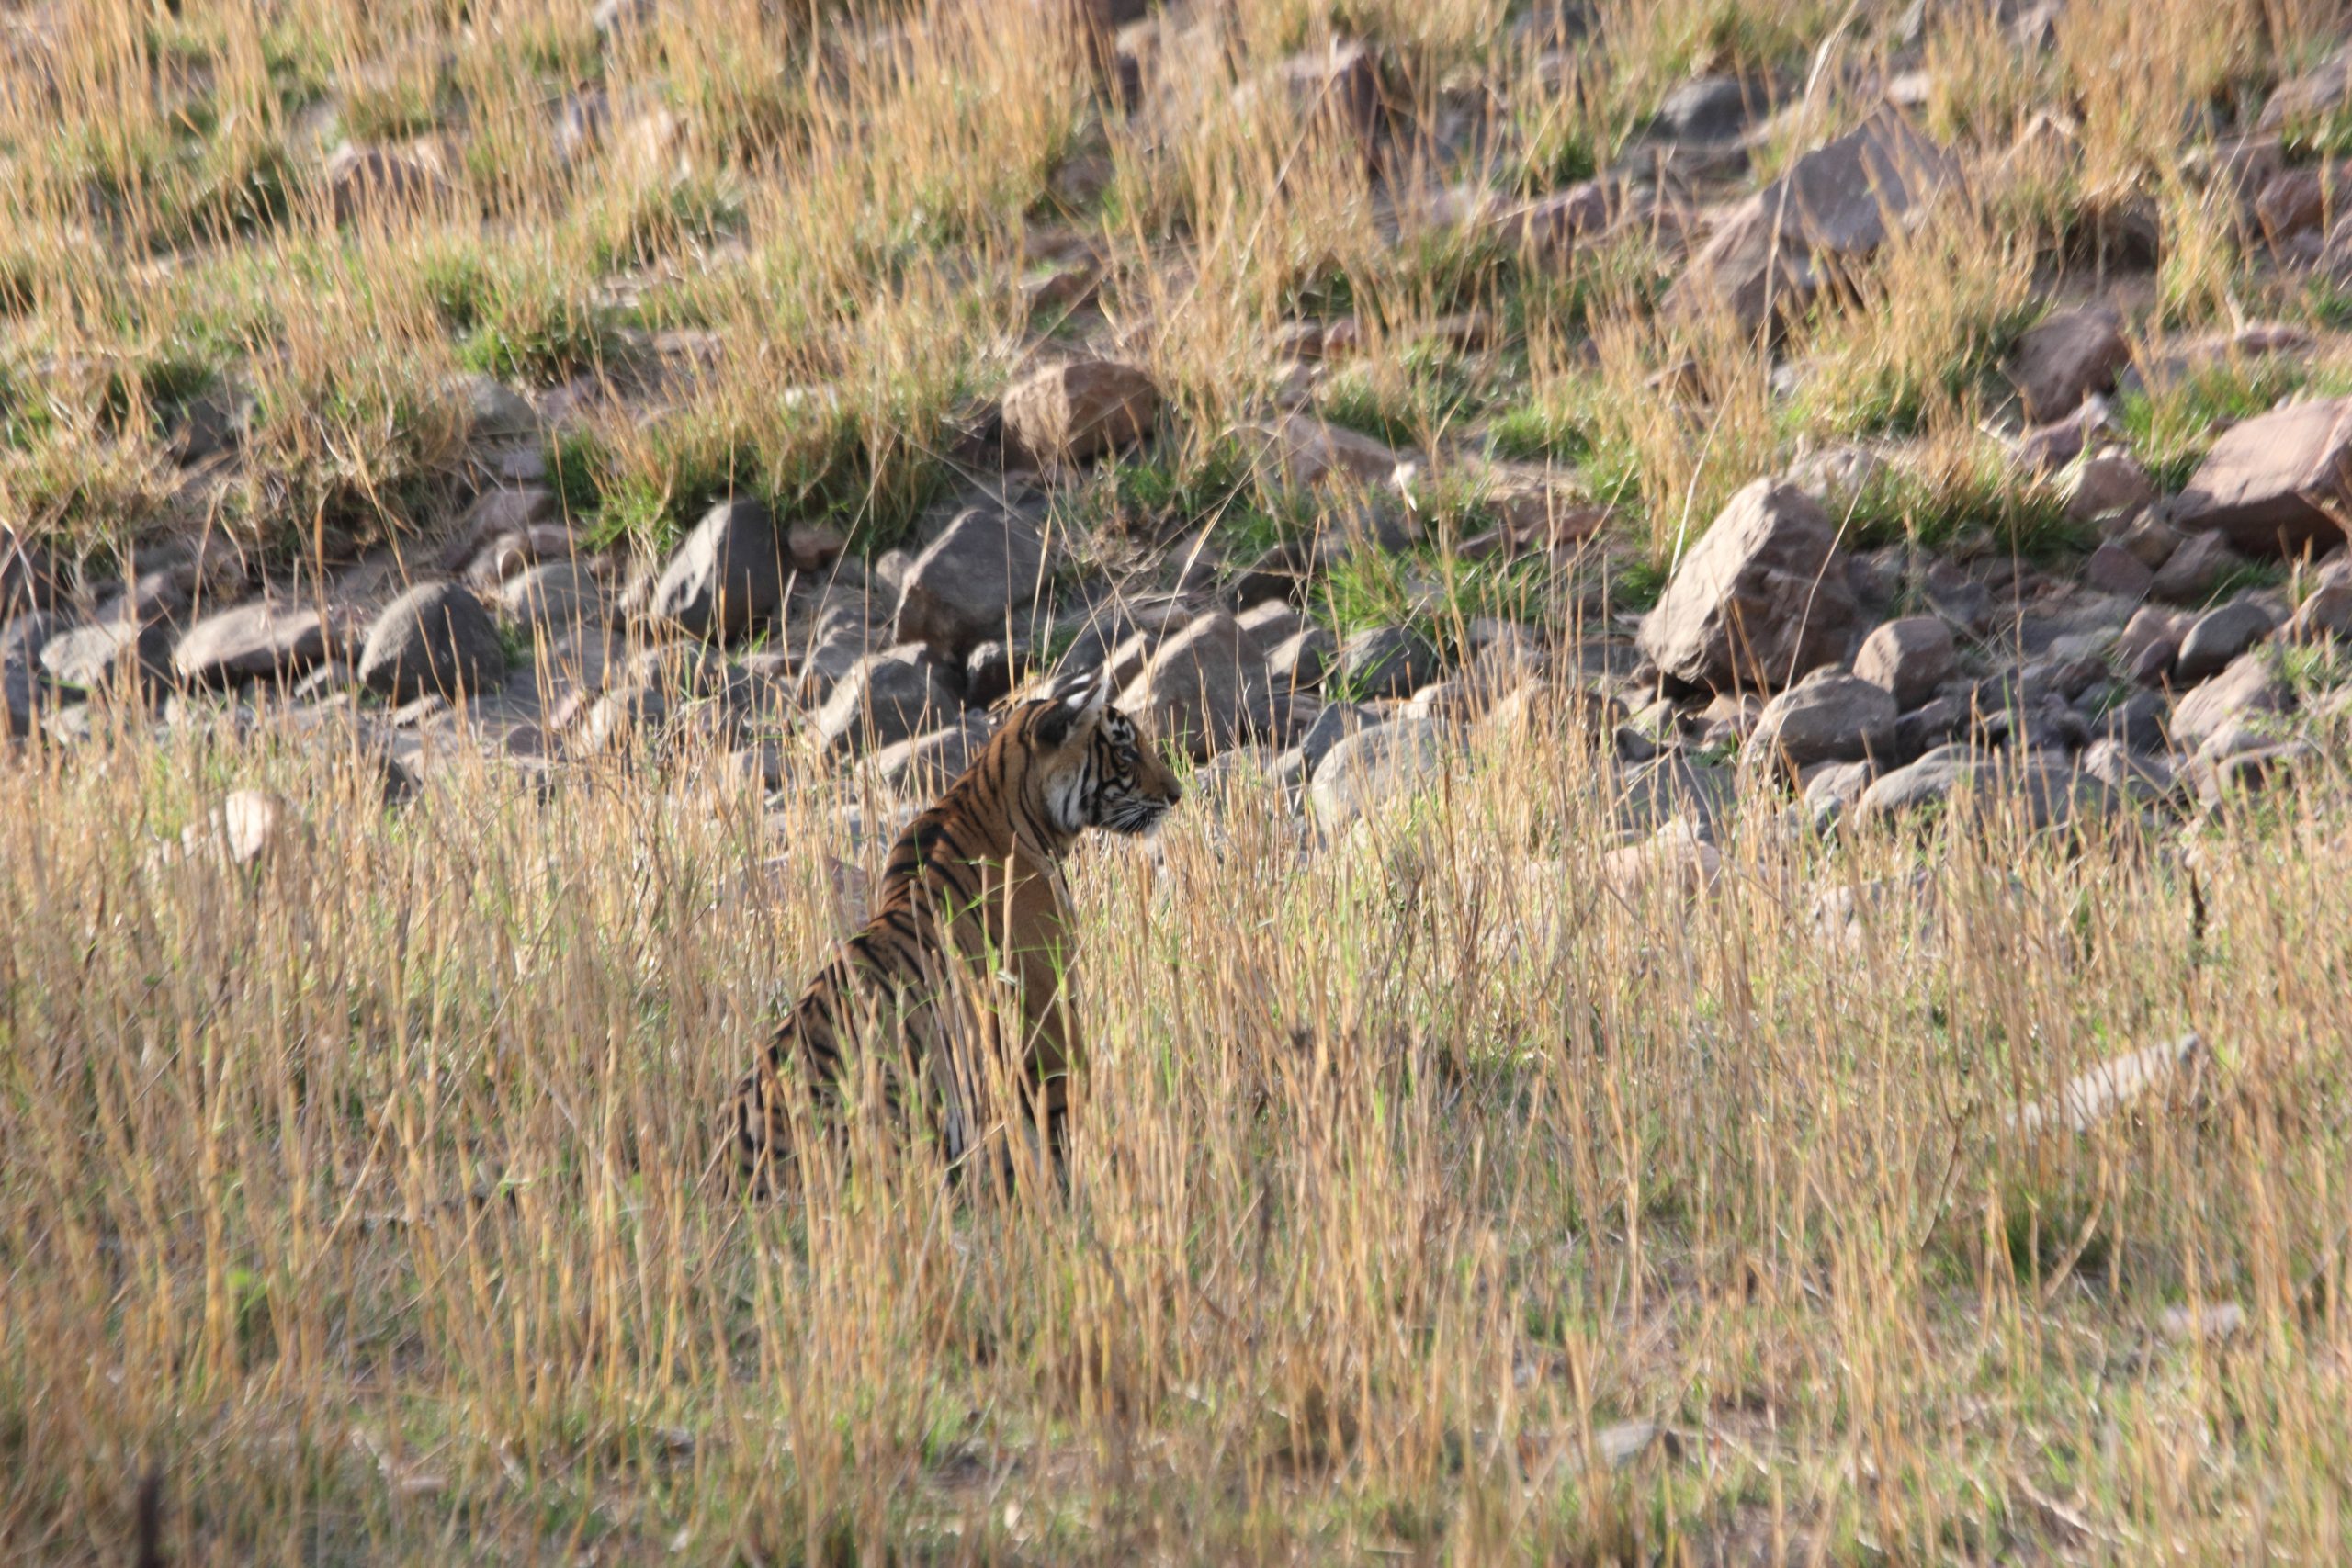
x=971, y=927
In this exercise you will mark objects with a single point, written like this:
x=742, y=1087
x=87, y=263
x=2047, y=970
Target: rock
x=1759, y=601
x=2150, y=540
x=1909, y=658
x=727, y=576
x=1813, y=226
x=2089, y=1099
x=1300, y=662
x=260, y=641
x=2148, y=644
x=1300, y=452
x=435, y=639
x=2276, y=483
x=1387, y=661
x=1708, y=109
x=1928, y=726
x=2238, y=772
x=2045, y=449
x=2309, y=100
x=2107, y=484
x=1365, y=771
x=1271, y=622
x=115, y=655
x=1841, y=719
x=2048, y=794
x=1552, y=224
x=2190, y=572
x=1673, y=787
x=492, y=410
x=28, y=578
x=1958, y=597
x=496, y=514
x=1674, y=864
x=2250, y=686
x=2218, y=636
x=555, y=599
x=923, y=765
x=1068, y=414
x=885, y=698
x=2116, y=570
x=812, y=547
x=249, y=825
x=1205, y=688
x=990, y=671
x=1335, y=722
x=360, y=181
x=2300, y=200
x=2132, y=774
x=2327, y=610
x=2065, y=358
x=2138, y=722
x=986, y=570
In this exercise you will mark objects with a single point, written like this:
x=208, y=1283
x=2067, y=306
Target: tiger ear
x=1081, y=700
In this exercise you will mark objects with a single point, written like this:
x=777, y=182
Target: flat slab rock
x=1759, y=601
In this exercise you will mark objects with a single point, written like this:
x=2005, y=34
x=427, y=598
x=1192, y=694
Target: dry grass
x=360, y=1193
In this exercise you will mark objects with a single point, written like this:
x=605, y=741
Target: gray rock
x=727, y=576
x=2326, y=611
x=435, y=639
x=1300, y=661
x=1365, y=771
x=1909, y=658
x=2115, y=570
x=2217, y=636
x=2131, y=773
x=492, y=410
x=2067, y=357
x=1673, y=788
x=1928, y=726
x=23, y=692
x=1841, y=719
x=1068, y=414
x=259, y=641
x=555, y=599
x=1205, y=688
x=2108, y=485
x=2137, y=722
x=2048, y=794
x=2275, y=484
x=1335, y=722
x=885, y=698
x=2252, y=686
x=2251, y=771
x=495, y=514
x=360, y=180
x=989, y=672
x=985, y=571
x=1812, y=227
x=112, y=656
x=2193, y=569
x=1759, y=601
x=1387, y=661
x=1708, y=109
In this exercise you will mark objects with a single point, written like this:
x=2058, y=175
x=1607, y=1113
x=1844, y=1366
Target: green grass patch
x=2173, y=424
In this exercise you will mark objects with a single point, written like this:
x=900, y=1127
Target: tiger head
x=1100, y=770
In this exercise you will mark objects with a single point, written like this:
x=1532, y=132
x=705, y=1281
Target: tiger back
x=955, y=992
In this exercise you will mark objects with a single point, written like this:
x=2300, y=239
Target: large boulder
x=1816, y=224
x=983, y=571
x=885, y=698
x=1386, y=661
x=2279, y=483
x=433, y=640
x=727, y=576
x=2067, y=357
x=263, y=639
x=1205, y=688
x=1759, y=601
x=1839, y=718
x=1071, y=412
